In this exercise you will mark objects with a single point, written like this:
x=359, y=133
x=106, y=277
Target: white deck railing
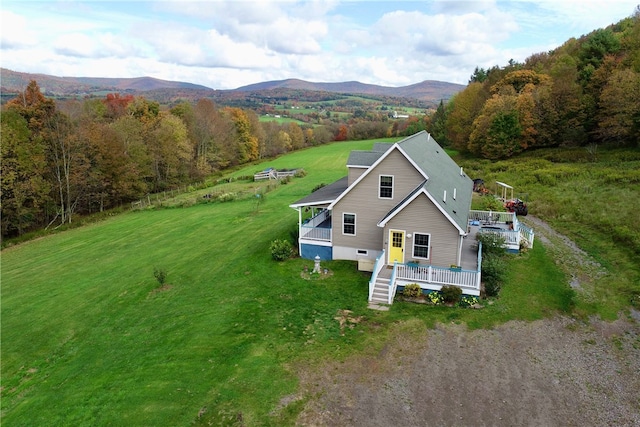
x=527, y=235
x=321, y=217
x=310, y=230
x=488, y=217
x=519, y=233
x=315, y=233
x=393, y=286
x=439, y=276
x=511, y=238
x=377, y=268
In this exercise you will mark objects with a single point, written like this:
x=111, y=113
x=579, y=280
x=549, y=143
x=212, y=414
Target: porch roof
x=324, y=195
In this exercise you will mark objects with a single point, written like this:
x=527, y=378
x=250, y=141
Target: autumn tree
x=462, y=111
x=64, y=158
x=342, y=133
x=24, y=190
x=297, y=136
x=116, y=105
x=619, y=116
x=496, y=131
x=247, y=142
x=68, y=163
x=170, y=151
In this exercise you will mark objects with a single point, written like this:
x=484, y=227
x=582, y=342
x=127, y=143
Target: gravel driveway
x=552, y=372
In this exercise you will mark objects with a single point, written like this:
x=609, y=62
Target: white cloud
x=15, y=31
x=226, y=44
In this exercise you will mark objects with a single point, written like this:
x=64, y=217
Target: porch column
x=460, y=243
x=299, y=229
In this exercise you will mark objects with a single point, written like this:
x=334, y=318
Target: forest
x=585, y=92
x=61, y=159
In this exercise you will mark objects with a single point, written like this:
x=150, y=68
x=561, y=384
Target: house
x=402, y=212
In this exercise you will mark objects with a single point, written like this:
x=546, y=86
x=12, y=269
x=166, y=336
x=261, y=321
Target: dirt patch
x=549, y=372
x=544, y=373
x=164, y=288
x=309, y=275
x=347, y=320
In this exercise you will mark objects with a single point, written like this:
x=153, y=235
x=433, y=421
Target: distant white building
x=400, y=116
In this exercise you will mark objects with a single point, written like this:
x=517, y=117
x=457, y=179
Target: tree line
x=585, y=92
x=83, y=156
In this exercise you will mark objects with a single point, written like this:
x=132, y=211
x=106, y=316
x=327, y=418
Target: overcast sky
x=228, y=44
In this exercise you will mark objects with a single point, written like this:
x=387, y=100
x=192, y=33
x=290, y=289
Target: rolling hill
x=427, y=90
x=14, y=81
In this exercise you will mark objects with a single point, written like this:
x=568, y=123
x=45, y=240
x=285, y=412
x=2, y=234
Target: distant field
x=271, y=118
x=89, y=337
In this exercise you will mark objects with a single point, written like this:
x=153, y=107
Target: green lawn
x=89, y=337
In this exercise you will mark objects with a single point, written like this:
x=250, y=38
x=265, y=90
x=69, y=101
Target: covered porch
x=386, y=278
x=315, y=227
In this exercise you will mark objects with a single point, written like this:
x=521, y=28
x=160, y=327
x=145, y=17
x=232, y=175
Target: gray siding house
x=403, y=213
x=406, y=202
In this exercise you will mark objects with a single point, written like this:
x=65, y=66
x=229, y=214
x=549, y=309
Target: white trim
x=319, y=203
x=393, y=181
x=355, y=221
x=304, y=241
x=413, y=245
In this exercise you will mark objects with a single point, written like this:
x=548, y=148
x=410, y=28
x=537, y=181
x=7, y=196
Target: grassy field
x=89, y=337
x=589, y=195
x=280, y=120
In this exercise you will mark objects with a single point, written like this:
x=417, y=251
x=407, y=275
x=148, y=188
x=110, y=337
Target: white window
x=386, y=187
x=349, y=224
x=421, y=245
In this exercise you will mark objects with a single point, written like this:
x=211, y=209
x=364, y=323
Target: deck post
x=299, y=229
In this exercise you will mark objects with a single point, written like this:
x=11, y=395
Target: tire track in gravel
x=551, y=372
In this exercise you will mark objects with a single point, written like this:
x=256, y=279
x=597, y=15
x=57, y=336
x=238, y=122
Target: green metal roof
x=443, y=175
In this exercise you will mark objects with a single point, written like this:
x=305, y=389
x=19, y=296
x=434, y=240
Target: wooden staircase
x=381, y=291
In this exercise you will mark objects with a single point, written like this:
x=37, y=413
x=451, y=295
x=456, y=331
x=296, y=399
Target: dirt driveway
x=552, y=372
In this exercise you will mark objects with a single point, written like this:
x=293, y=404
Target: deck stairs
x=381, y=291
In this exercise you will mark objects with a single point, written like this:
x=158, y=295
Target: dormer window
x=386, y=187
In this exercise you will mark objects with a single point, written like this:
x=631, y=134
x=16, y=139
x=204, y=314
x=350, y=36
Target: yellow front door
x=396, y=246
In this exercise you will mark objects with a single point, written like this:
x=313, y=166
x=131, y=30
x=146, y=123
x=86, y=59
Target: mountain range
x=14, y=81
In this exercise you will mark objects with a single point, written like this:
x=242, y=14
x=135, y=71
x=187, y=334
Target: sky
x=229, y=44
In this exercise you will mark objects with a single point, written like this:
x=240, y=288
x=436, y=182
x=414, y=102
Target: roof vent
x=444, y=196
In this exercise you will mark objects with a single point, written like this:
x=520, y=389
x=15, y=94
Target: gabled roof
x=324, y=195
x=441, y=174
x=444, y=175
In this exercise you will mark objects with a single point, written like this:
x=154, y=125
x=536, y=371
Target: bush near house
x=281, y=250
x=412, y=290
x=451, y=294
